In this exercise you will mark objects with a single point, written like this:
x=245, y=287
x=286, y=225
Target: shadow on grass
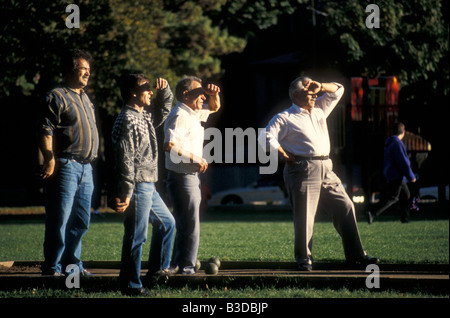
x=249, y=213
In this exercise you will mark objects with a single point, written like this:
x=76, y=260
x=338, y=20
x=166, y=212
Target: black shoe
x=136, y=291
x=364, y=260
x=370, y=217
x=304, y=267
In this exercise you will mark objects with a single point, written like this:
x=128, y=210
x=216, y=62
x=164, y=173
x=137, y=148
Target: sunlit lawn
x=235, y=236
x=266, y=237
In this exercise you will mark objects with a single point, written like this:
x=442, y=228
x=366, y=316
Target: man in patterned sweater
x=136, y=166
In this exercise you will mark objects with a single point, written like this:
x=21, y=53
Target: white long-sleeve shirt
x=302, y=132
x=183, y=128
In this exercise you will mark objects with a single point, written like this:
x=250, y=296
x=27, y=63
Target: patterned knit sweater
x=135, y=145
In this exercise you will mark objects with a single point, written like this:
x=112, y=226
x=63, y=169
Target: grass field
x=245, y=236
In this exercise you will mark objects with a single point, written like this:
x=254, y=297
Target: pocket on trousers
x=62, y=162
x=298, y=170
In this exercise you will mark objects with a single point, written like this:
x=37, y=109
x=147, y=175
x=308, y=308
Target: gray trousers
x=311, y=183
x=185, y=195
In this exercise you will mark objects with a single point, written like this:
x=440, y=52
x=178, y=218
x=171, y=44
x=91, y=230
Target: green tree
x=151, y=36
x=246, y=17
x=411, y=42
x=33, y=36
x=170, y=39
x=194, y=42
x=141, y=25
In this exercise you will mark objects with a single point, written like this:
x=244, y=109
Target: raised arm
x=162, y=102
x=213, y=91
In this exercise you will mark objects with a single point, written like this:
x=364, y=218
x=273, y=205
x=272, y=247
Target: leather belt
x=78, y=159
x=300, y=158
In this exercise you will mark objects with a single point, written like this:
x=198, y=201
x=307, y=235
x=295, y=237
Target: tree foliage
x=412, y=41
x=246, y=17
x=151, y=36
x=170, y=38
x=33, y=36
x=195, y=44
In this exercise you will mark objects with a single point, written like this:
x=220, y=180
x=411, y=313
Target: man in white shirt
x=300, y=134
x=183, y=144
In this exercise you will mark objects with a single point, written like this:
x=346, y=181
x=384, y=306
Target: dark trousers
x=397, y=191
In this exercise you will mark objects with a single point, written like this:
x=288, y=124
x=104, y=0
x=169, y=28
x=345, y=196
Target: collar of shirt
x=132, y=109
x=201, y=114
x=295, y=109
x=143, y=115
x=67, y=88
x=187, y=108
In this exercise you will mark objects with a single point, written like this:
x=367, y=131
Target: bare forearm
x=285, y=155
x=317, y=87
x=46, y=146
x=329, y=87
x=186, y=156
x=170, y=146
x=214, y=97
x=214, y=103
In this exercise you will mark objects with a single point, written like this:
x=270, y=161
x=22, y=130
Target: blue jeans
x=67, y=214
x=184, y=192
x=146, y=204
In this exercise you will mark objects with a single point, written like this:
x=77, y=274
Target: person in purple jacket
x=397, y=170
